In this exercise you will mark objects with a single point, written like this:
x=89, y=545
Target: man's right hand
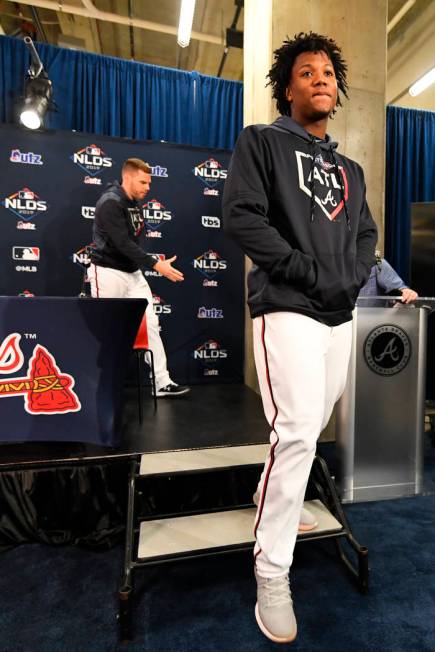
x=164, y=267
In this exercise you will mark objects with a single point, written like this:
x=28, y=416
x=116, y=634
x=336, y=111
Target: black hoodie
x=299, y=211
x=118, y=224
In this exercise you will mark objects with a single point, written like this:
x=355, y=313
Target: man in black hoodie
x=117, y=260
x=298, y=210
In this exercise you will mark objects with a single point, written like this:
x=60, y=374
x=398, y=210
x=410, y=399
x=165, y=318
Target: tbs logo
x=210, y=172
x=160, y=307
x=25, y=203
x=210, y=222
x=88, y=212
x=82, y=256
x=91, y=159
x=25, y=253
x=155, y=214
x=210, y=351
x=28, y=158
x=210, y=263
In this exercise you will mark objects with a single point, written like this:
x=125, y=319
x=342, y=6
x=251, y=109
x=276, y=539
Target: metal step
x=202, y=459
x=205, y=532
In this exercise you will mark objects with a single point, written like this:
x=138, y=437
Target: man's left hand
x=408, y=295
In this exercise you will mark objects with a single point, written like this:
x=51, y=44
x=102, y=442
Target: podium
x=63, y=362
x=380, y=417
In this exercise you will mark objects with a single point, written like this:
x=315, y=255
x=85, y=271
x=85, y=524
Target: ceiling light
x=37, y=92
x=36, y=102
x=421, y=84
x=185, y=23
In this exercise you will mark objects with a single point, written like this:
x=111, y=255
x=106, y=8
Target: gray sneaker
x=274, y=609
x=307, y=521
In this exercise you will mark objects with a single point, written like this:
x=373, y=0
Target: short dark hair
x=280, y=73
x=135, y=164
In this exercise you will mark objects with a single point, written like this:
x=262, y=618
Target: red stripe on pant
x=272, y=425
x=96, y=282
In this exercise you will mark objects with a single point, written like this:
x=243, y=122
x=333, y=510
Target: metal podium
x=380, y=417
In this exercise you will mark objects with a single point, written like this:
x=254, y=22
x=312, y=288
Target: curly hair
x=285, y=56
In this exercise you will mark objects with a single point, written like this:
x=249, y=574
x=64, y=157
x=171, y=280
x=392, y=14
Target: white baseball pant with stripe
x=109, y=283
x=302, y=369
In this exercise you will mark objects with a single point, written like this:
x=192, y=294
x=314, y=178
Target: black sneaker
x=172, y=390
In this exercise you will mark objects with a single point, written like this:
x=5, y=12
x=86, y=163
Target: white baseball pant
x=109, y=283
x=302, y=368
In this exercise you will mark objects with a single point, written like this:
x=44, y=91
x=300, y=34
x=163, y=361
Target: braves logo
x=327, y=185
x=46, y=389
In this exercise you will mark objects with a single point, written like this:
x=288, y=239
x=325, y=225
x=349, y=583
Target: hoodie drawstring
x=312, y=180
x=340, y=180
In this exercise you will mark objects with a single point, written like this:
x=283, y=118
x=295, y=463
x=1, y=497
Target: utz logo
x=88, y=212
x=152, y=272
x=210, y=313
x=160, y=306
x=210, y=172
x=328, y=185
x=210, y=263
x=25, y=253
x=92, y=159
x=26, y=226
x=46, y=390
x=25, y=203
x=93, y=181
x=159, y=171
x=210, y=352
x=28, y=158
x=155, y=214
x=82, y=256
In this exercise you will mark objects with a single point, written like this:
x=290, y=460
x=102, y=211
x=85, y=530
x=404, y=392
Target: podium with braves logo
x=380, y=417
x=62, y=367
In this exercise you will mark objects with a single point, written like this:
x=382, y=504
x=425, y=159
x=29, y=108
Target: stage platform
x=212, y=415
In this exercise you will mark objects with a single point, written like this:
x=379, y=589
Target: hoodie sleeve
x=365, y=241
x=245, y=213
x=111, y=222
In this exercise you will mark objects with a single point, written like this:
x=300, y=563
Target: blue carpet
x=64, y=599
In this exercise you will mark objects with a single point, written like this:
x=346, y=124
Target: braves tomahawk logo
x=327, y=185
x=46, y=389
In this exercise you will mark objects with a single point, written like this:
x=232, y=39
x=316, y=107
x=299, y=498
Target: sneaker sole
x=185, y=391
x=307, y=528
x=269, y=635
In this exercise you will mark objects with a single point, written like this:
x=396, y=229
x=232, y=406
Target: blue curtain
x=114, y=97
x=410, y=177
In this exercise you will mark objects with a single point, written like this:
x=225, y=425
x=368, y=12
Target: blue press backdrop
x=50, y=183
x=410, y=177
x=114, y=97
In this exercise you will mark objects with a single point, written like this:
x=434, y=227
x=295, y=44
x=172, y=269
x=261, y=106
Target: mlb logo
x=26, y=194
x=93, y=150
x=156, y=300
x=25, y=253
x=154, y=205
x=213, y=345
x=212, y=255
x=211, y=163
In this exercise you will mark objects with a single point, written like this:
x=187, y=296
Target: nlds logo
x=82, y=256
x=160, y=307
x=155, y=214
x=92, y=159
x=210, y=351
x=210, y=172
x=25, y=203
x=210, y=263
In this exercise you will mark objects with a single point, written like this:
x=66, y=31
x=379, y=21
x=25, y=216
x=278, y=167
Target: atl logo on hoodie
x=326, y=183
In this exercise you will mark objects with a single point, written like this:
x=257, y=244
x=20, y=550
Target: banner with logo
x=48, y=191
